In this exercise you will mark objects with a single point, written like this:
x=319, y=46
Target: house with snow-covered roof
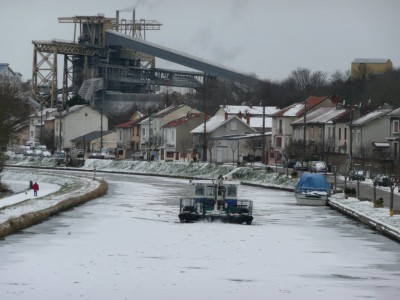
x=394, y=137
x=178, y=139
x=258, y=117
x=320, y=134
x=37, y=124
x=77, y=121
x=224, y=138
x=128, y=135
x=152, y=127
x=282, y=120
x=369, y=133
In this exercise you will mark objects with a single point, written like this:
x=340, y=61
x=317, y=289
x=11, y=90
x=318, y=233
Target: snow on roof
x=322, y=115
x=212, y=124
x=380, y=145
x=395, y=112
x=297, y=109
x=167, y=110
x=372, y=116
x=290, y=111
x=181, y=120
x=370, y=60
x=44, y=112
x=257, y=122
x=252, y=110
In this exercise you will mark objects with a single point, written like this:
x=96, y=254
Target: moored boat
x=312, y=189
x=215, y=200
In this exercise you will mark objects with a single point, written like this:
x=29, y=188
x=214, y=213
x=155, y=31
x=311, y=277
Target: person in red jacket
x=35, y=188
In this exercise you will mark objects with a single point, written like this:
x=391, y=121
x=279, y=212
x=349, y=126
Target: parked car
x=28, y=152
x=356, y=175
x=37, y=152
x=290, y=163
x=138, y=156
x=46, y=153
x=382, y=180
x=301, y=166
x=317, y=166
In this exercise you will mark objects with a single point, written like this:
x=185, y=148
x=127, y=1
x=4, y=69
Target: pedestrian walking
x=35, y=188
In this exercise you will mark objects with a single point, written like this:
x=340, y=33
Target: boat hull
x=313, y=200
x=195, y=217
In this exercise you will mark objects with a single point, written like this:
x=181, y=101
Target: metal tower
x=86, y=57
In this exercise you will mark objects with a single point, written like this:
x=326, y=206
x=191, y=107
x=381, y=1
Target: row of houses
x=323, y=125
x=316, y=126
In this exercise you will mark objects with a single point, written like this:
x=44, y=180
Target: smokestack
x=133, y=15
x=117, y=21
x=248, y=119
x=226, y=115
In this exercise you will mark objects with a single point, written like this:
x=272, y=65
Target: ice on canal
x=129, y=244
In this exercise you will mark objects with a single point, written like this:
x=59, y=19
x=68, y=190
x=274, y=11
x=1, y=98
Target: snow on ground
x=53, y=188
x=44, y=190
x=245, y=174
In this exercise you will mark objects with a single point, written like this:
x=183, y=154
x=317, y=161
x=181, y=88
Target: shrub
x=378, y=202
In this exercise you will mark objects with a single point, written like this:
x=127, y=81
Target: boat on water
x=312, y=189
x=215, y=200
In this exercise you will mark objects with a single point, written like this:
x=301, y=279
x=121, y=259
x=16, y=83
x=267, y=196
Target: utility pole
x=263, y=136
x=149, y=140
x=351, y=135
x=41, y=122
x=305, y=130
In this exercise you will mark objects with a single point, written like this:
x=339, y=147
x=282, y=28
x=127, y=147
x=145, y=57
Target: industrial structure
x=109, y=60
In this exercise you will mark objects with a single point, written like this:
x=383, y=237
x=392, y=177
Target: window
x=345, y=133
x=278, y=142
x=280, y=126
x=199, y=190
x=396, y=128
x=340, y=134
x=231, y=192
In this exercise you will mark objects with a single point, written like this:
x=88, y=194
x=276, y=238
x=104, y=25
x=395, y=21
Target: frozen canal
x=129, y=244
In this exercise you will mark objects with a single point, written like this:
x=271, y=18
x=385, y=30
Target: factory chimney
x=117, y=21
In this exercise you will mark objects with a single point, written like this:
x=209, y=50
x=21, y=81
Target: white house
x=224, y=138
x=77, y=121
x=369, y=133
x=152, y=127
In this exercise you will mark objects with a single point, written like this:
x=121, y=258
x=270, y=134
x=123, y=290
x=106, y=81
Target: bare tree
x=301, y=77
x=254, y=144
x=233, y=145
x=210, y=146
x=13, y=111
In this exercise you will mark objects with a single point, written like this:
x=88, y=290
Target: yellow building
x=363, y=68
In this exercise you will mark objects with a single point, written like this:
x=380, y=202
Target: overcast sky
x=268, y=38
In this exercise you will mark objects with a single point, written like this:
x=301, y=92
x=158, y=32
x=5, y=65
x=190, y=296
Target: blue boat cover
x=312, y=182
